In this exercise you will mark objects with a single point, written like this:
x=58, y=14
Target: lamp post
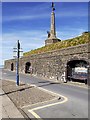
x=17, y=51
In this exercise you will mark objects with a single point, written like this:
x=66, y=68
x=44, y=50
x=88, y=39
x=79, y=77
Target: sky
x=30, y=21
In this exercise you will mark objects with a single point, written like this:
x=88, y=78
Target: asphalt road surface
x=76, y=105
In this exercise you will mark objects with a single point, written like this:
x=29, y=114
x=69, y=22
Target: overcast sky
x=30, y=21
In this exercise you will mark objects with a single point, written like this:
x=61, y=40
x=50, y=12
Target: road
x=75, y=107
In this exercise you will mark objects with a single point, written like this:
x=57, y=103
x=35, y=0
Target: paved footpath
x=14, y=97
x=9, y=110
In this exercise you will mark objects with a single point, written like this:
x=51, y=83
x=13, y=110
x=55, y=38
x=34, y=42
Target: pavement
x=7, y=107
x=9, y=110
x=13, y=98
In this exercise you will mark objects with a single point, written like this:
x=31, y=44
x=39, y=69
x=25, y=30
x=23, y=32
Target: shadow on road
x=48, y=84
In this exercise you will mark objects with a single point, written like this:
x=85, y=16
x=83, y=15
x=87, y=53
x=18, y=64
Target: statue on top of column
x=53, y=8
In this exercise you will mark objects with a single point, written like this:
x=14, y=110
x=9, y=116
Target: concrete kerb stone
x=9, y=110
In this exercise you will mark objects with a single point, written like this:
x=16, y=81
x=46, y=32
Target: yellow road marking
x=50, y=92
x=39, y=103
x=53, y=93
x=35, y=115
x=32, y=111
x=49, y=105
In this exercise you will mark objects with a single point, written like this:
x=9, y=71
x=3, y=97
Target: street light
x=17, y=50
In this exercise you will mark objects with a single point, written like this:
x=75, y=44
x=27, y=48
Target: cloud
x=29, y=40
x=72, y=14
x=30, y=13
x=69, y=33
x=45, y=15
x=24, y=17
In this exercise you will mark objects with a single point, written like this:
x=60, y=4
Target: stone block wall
x=52, y=64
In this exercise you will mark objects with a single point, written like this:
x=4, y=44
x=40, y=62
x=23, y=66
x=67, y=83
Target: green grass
x=84, y=38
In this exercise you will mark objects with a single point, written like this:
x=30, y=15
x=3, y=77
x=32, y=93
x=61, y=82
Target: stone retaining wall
x=52, y=64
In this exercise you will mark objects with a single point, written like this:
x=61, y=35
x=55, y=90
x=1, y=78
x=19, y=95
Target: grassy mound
x=84, y=38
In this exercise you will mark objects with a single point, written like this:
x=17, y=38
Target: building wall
x=52, y=64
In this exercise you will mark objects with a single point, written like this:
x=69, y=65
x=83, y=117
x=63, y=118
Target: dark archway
x=27, y=67
x=12, y=66
x=77, y=70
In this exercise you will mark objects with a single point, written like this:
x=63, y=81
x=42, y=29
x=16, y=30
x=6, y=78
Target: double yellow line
x=32, y=111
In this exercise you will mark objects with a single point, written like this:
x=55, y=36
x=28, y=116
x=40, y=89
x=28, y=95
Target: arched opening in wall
x=12, y=66
x=27, y=67
x=77, y=70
